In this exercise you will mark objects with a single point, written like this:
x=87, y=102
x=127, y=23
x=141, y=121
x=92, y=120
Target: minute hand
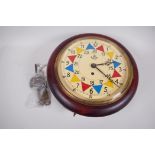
x=107, y=77
x=106, y=63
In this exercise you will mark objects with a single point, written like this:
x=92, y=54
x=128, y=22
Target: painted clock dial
x=93, y=72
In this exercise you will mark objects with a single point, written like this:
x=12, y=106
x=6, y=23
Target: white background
x=22, y=47
x=69, y=12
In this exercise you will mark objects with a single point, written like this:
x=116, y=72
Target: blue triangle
x=90, y=47
x=70, y=68
x=97, y=88
x=116, y=64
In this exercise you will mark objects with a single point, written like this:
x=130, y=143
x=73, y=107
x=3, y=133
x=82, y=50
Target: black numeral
x=76, y=72
x=74, y=89
x=124, y=69
x=82, y=46
x=116, y=57
x=67, y=62
x=103, y=53
x=101, y=81
x=92, y=82
x=86, y=52
x=79, y=56
x=111, y=68
x=83, y=79
x=91, y=91
x=108, y=76
x=94, y=57
x=117, y=81
x=77, y=85
x=90, y=96
x=75, y=63
x=73, y=51
x=68, y=74
x=94, y=51
x=120, y=69
x=95, y=43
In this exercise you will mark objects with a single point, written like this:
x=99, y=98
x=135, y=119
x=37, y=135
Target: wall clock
x=92, y=75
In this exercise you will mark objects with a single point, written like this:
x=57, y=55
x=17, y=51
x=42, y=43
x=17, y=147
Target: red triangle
x=85, y=86
x=72, y=58
x=100, y=48
x=116, y=74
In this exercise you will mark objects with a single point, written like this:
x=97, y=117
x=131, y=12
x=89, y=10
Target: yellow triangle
x=109, y=84
x=79, y=50
x=110, y=54
x=75, y=79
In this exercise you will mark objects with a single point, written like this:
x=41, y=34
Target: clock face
x=93, y=70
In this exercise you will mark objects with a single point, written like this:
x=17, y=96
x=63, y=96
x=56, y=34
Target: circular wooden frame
x=76, y=106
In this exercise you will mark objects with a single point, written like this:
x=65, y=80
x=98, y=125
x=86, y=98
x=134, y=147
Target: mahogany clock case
x=74, y=105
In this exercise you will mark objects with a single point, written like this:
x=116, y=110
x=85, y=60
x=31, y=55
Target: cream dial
x=94, y=70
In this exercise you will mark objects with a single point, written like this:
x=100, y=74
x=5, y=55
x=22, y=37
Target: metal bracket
x=39, y=83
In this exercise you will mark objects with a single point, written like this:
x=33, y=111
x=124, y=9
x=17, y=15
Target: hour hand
x=106, y=63
x=93, y=65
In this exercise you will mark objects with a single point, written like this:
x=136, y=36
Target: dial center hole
x=93, y=65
